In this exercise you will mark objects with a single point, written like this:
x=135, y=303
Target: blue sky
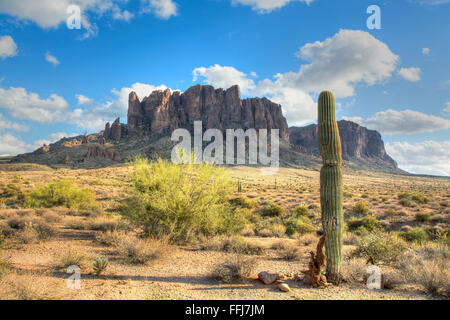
x=57, y=82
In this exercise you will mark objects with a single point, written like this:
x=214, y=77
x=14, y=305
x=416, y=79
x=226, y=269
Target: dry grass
x=236, y=269
x=141, y=251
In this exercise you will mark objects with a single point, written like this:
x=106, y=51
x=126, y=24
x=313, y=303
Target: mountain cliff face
x=152, y=120
x=357, y=142
x=164, y=111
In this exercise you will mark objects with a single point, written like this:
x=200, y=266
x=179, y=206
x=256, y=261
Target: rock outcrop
x=357, y=142
x=114, y=131
x=98, y=152
x=164, y=111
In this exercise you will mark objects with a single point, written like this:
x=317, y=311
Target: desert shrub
x=278, y=229
x=100, y=264
x=272, y=210
x=379, y=247
x=12, y=193
x=141, y=251
x=28, y=234
x=354, y=270
x=71, y=258
x=412, y=196
x=369, y=223
x=109, y=238
x=299, y=225
x=423, y=217
x=350, y=239
x=289, y=252
x=104, y=224
x=4, y=266
x=361, y=208
x=62, y=193
x=300, y=211
x=390, y=213
x=431, y=272
x=414, y=235
x=235, y=269
x=181, y=202
x=45, y=231
x=243, y=202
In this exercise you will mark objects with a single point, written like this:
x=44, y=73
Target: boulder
x=268, y=278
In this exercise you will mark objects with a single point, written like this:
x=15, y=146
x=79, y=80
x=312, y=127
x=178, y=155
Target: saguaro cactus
x=331, y=184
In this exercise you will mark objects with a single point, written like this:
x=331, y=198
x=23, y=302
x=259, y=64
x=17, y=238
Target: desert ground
x=38, y=244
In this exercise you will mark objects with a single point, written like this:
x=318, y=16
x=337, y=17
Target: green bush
x=61, y=193
x=423, y=217
x=272, y=210
x=301, y=210
x=243, y=203
x=414, y=235
x=181, y=202
x=361, y=208
x=300, y=225
x=413, y=196
x=370, y=223
x=379, y=247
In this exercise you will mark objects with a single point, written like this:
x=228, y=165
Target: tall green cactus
x=331, y=184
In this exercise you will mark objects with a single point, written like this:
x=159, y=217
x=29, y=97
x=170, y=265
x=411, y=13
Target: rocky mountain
x=152, y=119
x=164, y=111
x=357, y=142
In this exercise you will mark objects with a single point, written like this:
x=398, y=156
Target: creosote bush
x=182, y=202
x=272, y=210
x=61, y=193
x=361, y=208
x=414, y=235
x=379, y=247
x=369, y=223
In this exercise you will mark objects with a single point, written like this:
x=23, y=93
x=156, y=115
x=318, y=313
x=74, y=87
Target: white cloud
x=224, y=77
x=8, y=48
x=10, y=145
x=83, y=100
x=163, y=9
x=5, y=124
x=28, y=105
x=96, y=114
x=51, y=59
x=402, y=122
x=447, y=107
x=410, y=74
x=428, y=157
x=51, y=14
x=266, y=6
x=426, y=51
x=339, y=63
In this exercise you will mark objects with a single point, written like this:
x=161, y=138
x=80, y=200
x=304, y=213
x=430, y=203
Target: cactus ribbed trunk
x=331, y=184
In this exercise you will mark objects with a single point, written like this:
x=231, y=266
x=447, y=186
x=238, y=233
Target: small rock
x=284, y=287
x=268, y=278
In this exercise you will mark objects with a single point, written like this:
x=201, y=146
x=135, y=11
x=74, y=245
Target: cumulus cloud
x=10, y=145
x=266, y=6
x=339, y=63
x=51, y=14
x=224, y=77
x=163, y=9
x=426, y=51
x=8, y=48
x=28, y=105
x=410, y=74
x=402, y=122
x=5, y=124
x=51, y=59
x=95, y=115
x=428, y=157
